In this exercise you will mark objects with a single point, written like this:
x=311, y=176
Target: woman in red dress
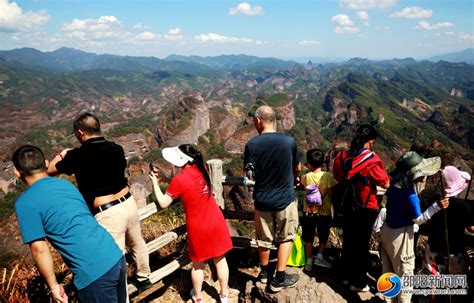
x=208, y=235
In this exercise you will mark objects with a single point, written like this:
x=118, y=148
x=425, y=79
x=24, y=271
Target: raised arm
x=52, y=170
x=164, y=200
x=44, y=262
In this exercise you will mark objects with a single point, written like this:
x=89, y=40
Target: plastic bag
x=298, y=255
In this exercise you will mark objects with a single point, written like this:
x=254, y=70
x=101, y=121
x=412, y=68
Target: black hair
x=189, y=150
x=88, y=123
x=315, y=157
x=364, y=134
x=29, y=160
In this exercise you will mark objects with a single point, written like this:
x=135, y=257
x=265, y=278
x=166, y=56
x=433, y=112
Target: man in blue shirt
x=272, y=160
x=53, y=209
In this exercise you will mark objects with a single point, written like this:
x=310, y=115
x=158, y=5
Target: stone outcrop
x=199, y=125
x=286, y=116
x=184, y=121
x=334, y=105
x=228, y=126
x=456, y=92
x=236, y=143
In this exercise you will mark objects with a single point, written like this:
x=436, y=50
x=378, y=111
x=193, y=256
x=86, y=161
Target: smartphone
x=152, y=168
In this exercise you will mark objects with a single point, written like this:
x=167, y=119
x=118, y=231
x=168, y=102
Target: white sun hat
x=175, y=156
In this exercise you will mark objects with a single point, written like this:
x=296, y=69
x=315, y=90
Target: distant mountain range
x=72, y=60
x=466, y=56
x=234, y=61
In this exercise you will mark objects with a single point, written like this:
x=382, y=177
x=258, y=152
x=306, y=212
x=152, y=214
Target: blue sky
x=375, y=29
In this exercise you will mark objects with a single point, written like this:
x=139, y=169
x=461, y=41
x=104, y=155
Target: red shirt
x=370, y=167
x=208, y=235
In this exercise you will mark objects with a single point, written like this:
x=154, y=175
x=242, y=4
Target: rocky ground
x=319, y=285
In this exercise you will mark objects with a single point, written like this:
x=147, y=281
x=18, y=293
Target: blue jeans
x=111, y=287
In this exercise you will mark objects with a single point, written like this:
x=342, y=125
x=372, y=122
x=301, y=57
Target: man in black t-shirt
x=99, y=167
x=272, y=160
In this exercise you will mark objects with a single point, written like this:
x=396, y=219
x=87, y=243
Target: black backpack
x=344, y=198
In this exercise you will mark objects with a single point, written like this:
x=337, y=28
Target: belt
x=110, y=204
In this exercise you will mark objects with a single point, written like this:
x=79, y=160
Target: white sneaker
x=322, y=262
x=358, y=289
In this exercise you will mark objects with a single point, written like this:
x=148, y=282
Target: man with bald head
x=272, y=159
x=99, y=167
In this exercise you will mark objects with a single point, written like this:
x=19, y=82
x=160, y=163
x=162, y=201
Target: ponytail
x=189, y=150
x=363, y=134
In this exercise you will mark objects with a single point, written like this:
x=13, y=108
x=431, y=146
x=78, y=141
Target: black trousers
x=357, y=230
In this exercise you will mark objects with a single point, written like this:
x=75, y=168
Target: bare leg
x=197, y=277
x=284, y=251
x=264, y=254
x=222, y=274
x=309, y=249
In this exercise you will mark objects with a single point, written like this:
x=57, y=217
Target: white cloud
x=102, y=24
x=211, y=37
x=103, y=28
x=246, y=9
x=147, y=36
x=12, y=18
x=466, y=37
x=346, y=30
x=309, y=42
x=342, y=20
x=174, y=34
x=425, y=25
x=344, y=25
x=413, y=12
x=140, y=26
x=367, y=4
x=364, y=16
x=260, y=42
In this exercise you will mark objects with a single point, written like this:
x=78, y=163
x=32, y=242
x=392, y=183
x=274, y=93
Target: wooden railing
x=218, y=180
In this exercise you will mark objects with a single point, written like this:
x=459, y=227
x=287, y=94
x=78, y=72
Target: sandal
x=225, y=298
x=193, y=297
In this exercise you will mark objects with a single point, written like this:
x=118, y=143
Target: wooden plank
x=151, y=209
x=237, y=181
x=238, y=215
x=165, y=239
x=245, y=242
x=164, y=271
x=147, y=210
x=215, y=172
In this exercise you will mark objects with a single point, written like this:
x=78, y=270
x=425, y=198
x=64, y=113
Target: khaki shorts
x=276, y=226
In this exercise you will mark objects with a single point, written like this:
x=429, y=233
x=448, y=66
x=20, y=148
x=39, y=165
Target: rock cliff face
x=199, y=125
x=334, y=105
x=456, y=92
x=236, y=143
x=228, y=126
x=184, y=121
x=286, y=116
